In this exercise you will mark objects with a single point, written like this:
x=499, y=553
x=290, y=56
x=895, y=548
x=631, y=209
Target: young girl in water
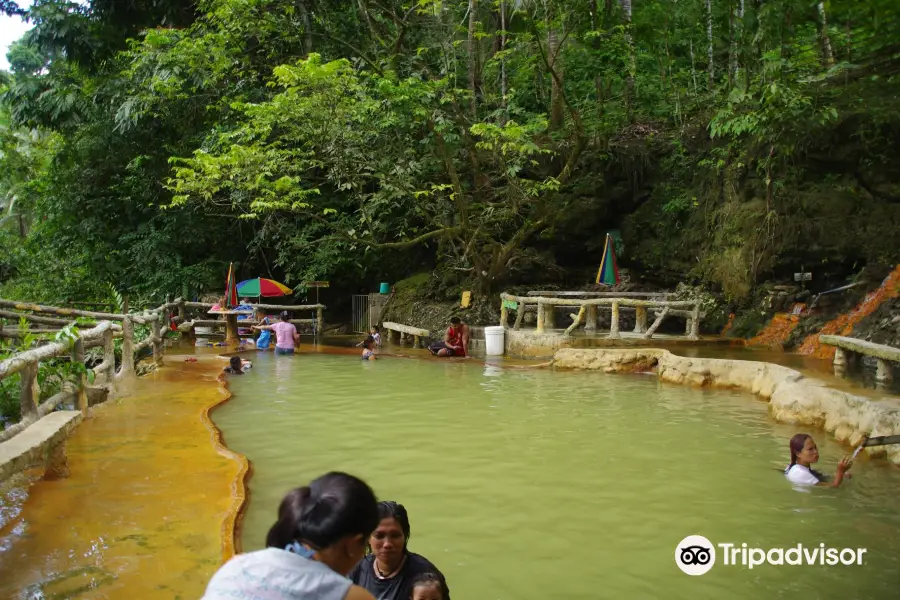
x=368, y=352
x=265, y=336
x=427, y=586
x=803, y=454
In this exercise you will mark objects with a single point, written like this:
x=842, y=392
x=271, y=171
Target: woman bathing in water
x=368, y=352
x=390, y=571
x=803, y=454
x=320, y=534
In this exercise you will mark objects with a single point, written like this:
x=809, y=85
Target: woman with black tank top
x=389, y=570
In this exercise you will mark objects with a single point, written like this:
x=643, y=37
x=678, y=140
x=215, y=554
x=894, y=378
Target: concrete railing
x=588, y=310
x=231, y=324
x=847, y=353
x=16, y=454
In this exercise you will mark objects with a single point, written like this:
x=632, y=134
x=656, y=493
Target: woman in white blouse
x=803, y=454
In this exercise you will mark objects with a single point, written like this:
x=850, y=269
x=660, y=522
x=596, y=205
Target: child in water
x=265, y=336
x=426, y=586
x=368, y=352
x=375, y=336
x=803, y=454
x=237, y=366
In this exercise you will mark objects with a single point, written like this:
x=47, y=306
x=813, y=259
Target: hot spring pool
x=531, y=484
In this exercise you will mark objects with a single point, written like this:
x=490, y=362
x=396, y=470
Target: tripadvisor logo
x=696, y=555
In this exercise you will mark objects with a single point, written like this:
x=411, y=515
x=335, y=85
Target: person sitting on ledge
x=456, y=340
x=803, y=454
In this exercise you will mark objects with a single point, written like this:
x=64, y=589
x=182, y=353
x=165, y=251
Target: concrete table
x=231, y=325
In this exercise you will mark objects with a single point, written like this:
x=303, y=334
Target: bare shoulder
x=358, y=593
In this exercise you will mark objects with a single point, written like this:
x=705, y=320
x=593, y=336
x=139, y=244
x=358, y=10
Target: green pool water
x=534, y=484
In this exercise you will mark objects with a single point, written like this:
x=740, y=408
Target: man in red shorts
x=456, y=340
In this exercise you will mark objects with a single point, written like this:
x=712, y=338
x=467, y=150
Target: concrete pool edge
x=231, y=524
x=792, y=397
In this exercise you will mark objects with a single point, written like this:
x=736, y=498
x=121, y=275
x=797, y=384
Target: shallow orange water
x=147, y=509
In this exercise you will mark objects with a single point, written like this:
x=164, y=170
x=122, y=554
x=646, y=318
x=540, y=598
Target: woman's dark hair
x=388, y=509
x=332, y=506
x=455, y=320
x=285, y=315
x=427, y=580
x=796, y=446
x=368, y=341
x=235, y=363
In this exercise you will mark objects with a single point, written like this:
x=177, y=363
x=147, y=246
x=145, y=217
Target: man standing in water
x=456, y=340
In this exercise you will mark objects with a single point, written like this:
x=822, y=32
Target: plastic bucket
x=494, y=339
x=385, y=288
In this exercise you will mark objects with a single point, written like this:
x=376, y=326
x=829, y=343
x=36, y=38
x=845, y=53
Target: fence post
x=109, y=354
x=883, y=374
x=320, y=322
x=541, y=316
x=81, y=393
x=549, y=316
x=30, y=391
x=156, y=338
x=182, y=314
x=520, y=314
x=591, y=318
x=694, y=332
x=640, y=319
x=127, y=370
x=614, y=321
x=504, y=314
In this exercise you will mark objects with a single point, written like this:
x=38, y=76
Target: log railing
x=848, y=351
x=98, y=334
x=230, y=323
x=588, y=310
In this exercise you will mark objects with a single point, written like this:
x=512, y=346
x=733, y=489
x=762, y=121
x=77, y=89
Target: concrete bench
x=847, y=349
x=404, y=330
x=42, y=442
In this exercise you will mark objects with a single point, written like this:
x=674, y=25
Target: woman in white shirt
x=803, y=454
x=320, y=536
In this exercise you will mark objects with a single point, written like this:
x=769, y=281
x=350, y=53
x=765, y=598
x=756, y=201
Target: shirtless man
x=456, y=340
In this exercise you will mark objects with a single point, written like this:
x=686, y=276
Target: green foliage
x=149, y=144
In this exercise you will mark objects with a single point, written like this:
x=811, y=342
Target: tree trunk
x=824, y=37
x=503, y=80
x=736, y=47
x=307, y=28
x=557, y=116
x=629, y=80
x=693, y=70
x=709, y=39
x=473, y=7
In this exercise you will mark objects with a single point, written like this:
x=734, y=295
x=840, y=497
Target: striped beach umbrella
x=608, y=273
x=231, y=299
x=262, y=287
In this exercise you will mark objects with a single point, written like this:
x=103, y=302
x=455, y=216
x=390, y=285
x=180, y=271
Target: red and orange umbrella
x=263, y=287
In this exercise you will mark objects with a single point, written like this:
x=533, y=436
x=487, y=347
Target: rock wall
x=792, y=397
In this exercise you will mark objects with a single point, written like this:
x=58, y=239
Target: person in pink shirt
x=286, y=336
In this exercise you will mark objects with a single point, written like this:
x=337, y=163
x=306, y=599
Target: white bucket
x=494, y=338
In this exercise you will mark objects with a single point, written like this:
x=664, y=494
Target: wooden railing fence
x=588, y=311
